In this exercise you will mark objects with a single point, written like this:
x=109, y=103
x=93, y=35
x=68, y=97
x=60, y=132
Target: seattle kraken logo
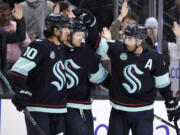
x=71, y=76
x=129, y=72
x=57, y=71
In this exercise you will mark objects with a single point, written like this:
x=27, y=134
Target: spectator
x=169, y=49
x=32, y=10
x=123, y=20
x=64, y=8
x=13, y=50
x=11, y=37
x=171, y=13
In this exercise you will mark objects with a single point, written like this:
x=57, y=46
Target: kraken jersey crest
x=129, y=73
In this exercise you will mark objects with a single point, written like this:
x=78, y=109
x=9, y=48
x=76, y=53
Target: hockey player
x=136, y=72
x=81, y=63
x=38, y=78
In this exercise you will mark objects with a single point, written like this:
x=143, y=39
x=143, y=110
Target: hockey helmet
x=56, y=20
x=136, y=30
x=77, y=25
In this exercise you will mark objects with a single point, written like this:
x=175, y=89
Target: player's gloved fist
x=86, y=16
x=21, y=99
x=173, y=110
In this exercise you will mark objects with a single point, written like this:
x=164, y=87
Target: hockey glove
x=86, y=16
x=173, y=110
x=21, y=99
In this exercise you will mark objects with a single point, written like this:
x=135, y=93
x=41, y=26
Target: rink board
x=12, y=122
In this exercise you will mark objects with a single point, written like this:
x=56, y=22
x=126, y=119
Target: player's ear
x=56, y=31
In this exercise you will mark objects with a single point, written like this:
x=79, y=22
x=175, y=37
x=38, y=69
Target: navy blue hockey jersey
x=134, y=78
x=40, y=71
x=80, y=63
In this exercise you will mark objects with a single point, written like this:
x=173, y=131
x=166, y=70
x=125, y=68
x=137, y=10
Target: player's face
x=65, y=34
x=130, y=43
x=78, y=38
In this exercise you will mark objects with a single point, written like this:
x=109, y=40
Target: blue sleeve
x=161, y=78
x=99, y=76
x=104, y=46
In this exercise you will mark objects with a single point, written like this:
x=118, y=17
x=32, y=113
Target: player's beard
x=59, y=39
x=133, y=49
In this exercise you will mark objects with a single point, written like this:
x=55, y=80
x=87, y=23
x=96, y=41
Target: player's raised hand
x=17, y=12
x=176, y=29
x=106, y=33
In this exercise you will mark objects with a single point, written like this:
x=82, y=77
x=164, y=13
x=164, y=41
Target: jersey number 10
x=30, y=53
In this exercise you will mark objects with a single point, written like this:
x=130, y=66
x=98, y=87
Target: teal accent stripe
x=25, y=92
x=162, y=81
x=79, y=106
x=103, y=47
x=131, y=109
x=23, y=66
x=99, y=76
x=172, y=109
x=46, y=110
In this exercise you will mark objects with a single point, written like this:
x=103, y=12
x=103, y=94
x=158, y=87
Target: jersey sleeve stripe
x=162, y=81
x=103, y=47
x=99, y=76
x=97, y=42
x=18, y=75
x=23, y=66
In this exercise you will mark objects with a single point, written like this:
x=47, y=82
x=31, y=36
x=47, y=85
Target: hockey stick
x=34, y=123
x=155, y=41
x=175, y=126
x=26, y=112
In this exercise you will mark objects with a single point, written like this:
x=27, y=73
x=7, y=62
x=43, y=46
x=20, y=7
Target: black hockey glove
x=173, y=110
x=21, y=100
x=86, y=16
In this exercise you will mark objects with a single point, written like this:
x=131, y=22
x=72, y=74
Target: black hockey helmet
x=77, y=25
x=56, y=20
x=136, y=30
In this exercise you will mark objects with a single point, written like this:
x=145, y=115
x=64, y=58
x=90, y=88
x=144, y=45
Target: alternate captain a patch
x=123, y=56
x=52, y=55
